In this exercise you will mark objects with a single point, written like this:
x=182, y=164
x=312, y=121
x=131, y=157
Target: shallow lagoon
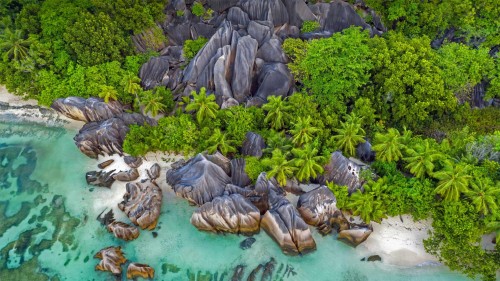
x=48, y=229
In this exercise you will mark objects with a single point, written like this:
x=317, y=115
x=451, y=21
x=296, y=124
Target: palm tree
x=277, y=112
x=349, y=136
x=205, y=106
x=152, y=103
x=108, y=92
x=308, y=162
x=483, y=195
x=303, y=131
x=494, y=226
x=281, y=168
x=388, y=146
x=14, y=45
x=369, y=204
x=453, y=180
x=131, y=84
x=422, y=158
x=277, y=140
x=219, y=142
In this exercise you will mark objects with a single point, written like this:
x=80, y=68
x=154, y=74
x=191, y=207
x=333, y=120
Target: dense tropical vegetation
x=436, y=156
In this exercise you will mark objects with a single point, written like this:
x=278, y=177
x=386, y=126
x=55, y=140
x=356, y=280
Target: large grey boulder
x=199, y=180
x=87, y=110
x=142, y=204
x=271, y=51
x=154, y=73
x=261, y=31
x=342, y=171
x=266, y=10
x=274, y=79
x=106, y=137
x=253, y=145
x=246, y=52
x=221, y=5
x=238, y=175
x=318, y=207
x=228, y=213
x=238, y=17
x=298, y=12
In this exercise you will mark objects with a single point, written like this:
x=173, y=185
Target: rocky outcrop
x=106, y=137
x=356, y=235
x=199, y=180
x=133, y=162
x=220, y=160
x=142, y=204
x=100, y=178
x=135, y=270
x=227, y=213
x=154, y=172
x=154, y=73
x=87, y=110
x=105, y=164
x=111, y=260
x=238, y=175
x=123, y=231
x=130, y=175
x=342, y=171
x=253, y=145
x=365, y=152
x=285, y=225
x=318, y=207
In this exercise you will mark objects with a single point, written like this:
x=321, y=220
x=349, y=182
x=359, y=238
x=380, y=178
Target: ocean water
x=49, y=231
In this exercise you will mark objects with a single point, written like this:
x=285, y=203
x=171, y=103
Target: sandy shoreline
x=397, y=243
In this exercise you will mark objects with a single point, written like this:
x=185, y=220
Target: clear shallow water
x=48, y=229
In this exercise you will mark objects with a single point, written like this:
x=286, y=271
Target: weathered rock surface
x=342, y=171
x=227, y=213
x=199, y=180
x=87, y=110
x=142, y=204
x=238, y=175
x=130, y=175
x=220, y=160
x=135, y=270
x=154, y=172
x=133, y=162
x=253, y=145
x=106, y=137
x=111, y=260
x=154, y=72
x=318, y=207
x=123, y=231
x=356, y=235
x=365, y=152
x=105, y=164
x=100, y=178
x=284, y=224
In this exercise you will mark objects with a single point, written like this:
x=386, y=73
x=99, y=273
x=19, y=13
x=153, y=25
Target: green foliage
x=14, y=46
x=280, y=168
x=369, y=205
x=107, y=93
x=96, y=39
x=389, y=147
x=152, y=103
x=303, y=132
x=484, y=195
x=421, y=159
x=277, y=112
x=335, y=68
x=204, y=105
x=253, y=167
x=349, y=135
x=453, y=181
x=309, y=26
x=277, y=140
x=296, y=51
x=192, y=47
x=218, y=141
x=197, y=9
x=308, y=162
x=341, y=193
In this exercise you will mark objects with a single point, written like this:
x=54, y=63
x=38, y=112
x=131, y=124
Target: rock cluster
x=112, y=259
x=142, y=204
x=342, y=171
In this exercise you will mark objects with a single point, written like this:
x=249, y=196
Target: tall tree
x=303, y=131
x=152, y=103
x=308, y=162
x=277, y=112
x=484, y=195
x=108, y=92
x=422, y=158
x=205, y=106
x=453, y=180
x=369, y=204
x=389, y=146
x=349, y=135
x=218, y=141
x=14, y=45
x=281, y=168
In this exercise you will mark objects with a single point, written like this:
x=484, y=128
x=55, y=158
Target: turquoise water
x=48, y=229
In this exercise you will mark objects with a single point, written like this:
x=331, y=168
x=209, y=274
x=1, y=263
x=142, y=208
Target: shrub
x=309, y=26
x=197, y=9
x=191, y=47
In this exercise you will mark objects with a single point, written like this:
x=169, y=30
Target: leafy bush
x=197, y=9
x=309, y=26
x=254, y=167
x=191, y=47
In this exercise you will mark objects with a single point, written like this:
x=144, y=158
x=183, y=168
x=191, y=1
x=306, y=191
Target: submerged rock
x=199, y=180
x=100, y=178
x=227, y=213
x=247, y=243
x=111, y=260
x=135, y=270
x=356, y=235
x=123, y=231
x=130, y=175
x=285, y=225
x=133, y=162
x=142, y=204
x=318, y=207
x=87, y=110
